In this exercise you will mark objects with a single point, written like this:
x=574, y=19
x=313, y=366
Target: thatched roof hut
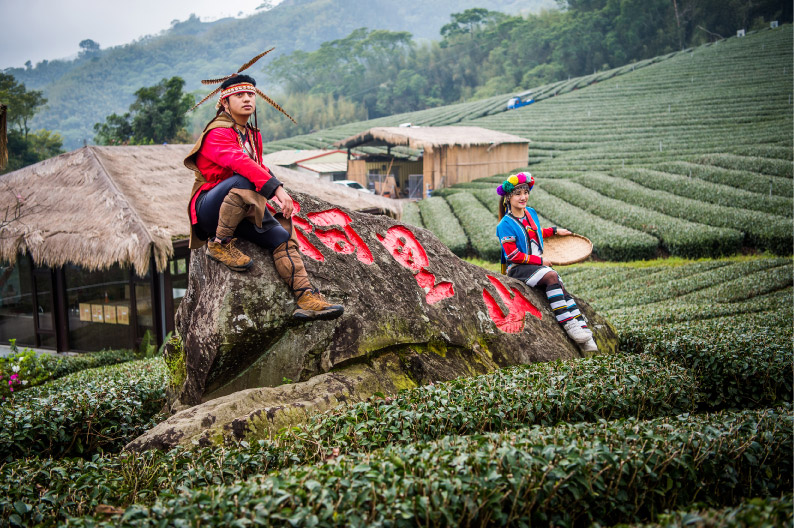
x=430, y=138
x=101, y=206
x=98, y=206
x=451, y=154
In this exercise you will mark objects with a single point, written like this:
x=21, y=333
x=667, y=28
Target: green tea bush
x=679, y=311
x=608, y=472
x=71, y=364
x=446, y=191
x=23, y=369
x=89, y=411
x=20, y=370
x=438, y=218
x=478, y=223
x=680, y=237
x=697, y=189
x=748, y=181
x=747, y=286
x=702, y=281
x=586, y=279
x=411, y=214
x=764, y=151
x=611, y=241
x=771, y=166
x=737, y=365
x=763, y=231
x=597, y=388
x=760, y=512
x=601, y=387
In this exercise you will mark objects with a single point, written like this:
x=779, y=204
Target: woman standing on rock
x=521, y=237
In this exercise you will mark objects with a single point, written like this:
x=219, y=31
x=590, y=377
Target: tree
x=115, y=130
x=24, y=147
x=22, y=103
x=156, y=116
x=469, y=21
x=88, y=47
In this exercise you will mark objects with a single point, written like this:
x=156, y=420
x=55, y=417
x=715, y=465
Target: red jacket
x=222, y=155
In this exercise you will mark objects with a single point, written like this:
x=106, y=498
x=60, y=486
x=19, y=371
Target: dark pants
x=208, y=206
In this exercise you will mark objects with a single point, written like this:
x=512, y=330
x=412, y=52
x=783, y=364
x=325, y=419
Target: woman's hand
x=563, y=232
x=284, y=201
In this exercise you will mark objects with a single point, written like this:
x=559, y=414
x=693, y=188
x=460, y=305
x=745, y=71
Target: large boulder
x=414, y=313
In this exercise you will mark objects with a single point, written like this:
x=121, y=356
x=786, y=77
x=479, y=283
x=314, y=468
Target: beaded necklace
x=246, y=145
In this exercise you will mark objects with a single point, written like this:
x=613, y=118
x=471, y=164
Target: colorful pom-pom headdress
x=514, y=181
x=243, y=86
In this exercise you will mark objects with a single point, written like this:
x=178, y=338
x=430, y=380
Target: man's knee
x=241, y=182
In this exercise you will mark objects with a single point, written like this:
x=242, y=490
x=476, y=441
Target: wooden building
x=326, y=165
x=93, y=245
x=443, y=155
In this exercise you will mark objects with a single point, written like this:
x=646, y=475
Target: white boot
x=589, y=346
x=575, y=331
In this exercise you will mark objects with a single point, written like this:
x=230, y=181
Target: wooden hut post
x=3, y=136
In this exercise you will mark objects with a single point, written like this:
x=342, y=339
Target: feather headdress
x=249, y=87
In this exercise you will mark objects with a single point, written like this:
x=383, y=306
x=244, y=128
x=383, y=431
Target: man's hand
x=563, y=232
x=284, y=201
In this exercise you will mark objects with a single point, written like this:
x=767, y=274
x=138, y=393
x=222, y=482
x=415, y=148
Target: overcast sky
x=52, y=29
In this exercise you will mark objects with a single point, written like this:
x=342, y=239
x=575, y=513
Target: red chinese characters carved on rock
x=517, y=308
x=406, y=249
x=344, y=241
x=409, y=252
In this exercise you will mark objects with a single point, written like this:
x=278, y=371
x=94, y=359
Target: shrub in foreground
x=604, y=387
x=738, y=362
x=609, y=472
x=78, y=415
x=757, y=512
x=23, y=369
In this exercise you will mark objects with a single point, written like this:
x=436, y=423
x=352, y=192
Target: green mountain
x=84, y=91
x=687, y=154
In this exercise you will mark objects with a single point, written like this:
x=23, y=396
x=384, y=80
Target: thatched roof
x=428, y=138
x=99, y=206
x=286, y=158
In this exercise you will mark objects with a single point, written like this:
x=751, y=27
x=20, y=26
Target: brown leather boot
x=233, y=210
x=311, y=305
x=226, y=253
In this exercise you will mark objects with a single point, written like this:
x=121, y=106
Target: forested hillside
x=84, y=91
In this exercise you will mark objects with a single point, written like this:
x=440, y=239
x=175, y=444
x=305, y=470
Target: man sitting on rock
x=229, y=197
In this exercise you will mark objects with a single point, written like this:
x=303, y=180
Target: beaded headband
x=235, y=88
x=514, y=180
